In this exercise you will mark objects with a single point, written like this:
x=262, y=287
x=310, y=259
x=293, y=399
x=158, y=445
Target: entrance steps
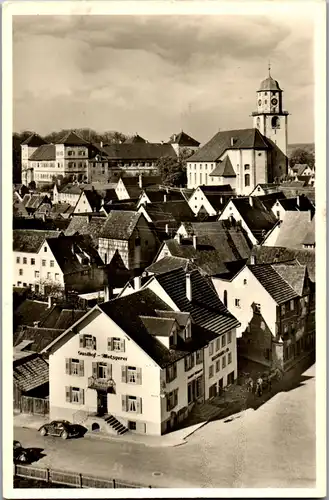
x=117, y=426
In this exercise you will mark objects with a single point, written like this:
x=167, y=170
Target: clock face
x=274, y=101
x=259, y=102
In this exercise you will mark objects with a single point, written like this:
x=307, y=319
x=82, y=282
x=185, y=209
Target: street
x=273, y=446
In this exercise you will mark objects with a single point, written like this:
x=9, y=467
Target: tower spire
x=269, y=68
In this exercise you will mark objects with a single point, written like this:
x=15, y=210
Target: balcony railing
x=100, y=383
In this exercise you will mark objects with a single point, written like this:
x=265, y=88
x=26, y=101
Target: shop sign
x=112, y=357
x=220, y=354
x=195, y=373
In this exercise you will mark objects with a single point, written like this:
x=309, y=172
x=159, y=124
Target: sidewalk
x=175, y=438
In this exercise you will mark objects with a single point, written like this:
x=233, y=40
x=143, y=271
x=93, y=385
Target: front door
x=101, y=403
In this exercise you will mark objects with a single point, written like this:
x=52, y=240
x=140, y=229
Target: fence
x=37, y=406
x=69, y=478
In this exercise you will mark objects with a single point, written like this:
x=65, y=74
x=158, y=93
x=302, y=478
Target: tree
x=173, y=170
x=302, y=156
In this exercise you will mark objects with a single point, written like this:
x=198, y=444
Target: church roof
x=270, y=84
x=249, y=138
x=224, y=169
x=35, y=140
x=183, y=140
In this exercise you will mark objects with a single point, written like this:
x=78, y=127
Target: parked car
x=62, y=428
x=21, y=456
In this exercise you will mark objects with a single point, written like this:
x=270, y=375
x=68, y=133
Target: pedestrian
x=259, y=386
x=269, y=383
x=250, y=383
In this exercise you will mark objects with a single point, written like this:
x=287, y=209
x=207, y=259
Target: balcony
x=101, y=384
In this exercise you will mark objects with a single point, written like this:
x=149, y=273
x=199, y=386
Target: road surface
x=273, y=446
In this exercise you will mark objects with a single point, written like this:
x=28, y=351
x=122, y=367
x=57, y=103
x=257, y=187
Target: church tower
x=270, y=119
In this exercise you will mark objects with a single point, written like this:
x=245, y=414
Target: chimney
x=298, y=201
x=50, y=301
x=165, y=197
x=36, y=324
x=140, y=181
x=167, y=228
x=252, y=260
x=233, y=140
x=311, y=215
x=174, y=137
x=179, y=238
x=194, y=241
x=101, y=144
x=188, y=286
x=251, y=201
x=107, y=293
x=137, y=282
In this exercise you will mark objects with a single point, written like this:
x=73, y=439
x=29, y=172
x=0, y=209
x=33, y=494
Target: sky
x=157, y=75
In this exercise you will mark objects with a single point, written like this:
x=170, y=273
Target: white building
x=135, y=363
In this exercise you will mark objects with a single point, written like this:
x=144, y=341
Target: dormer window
x=188, y=331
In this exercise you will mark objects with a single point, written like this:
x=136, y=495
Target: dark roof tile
x=120, y=224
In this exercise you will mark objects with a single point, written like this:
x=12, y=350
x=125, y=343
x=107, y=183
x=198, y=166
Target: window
x=200, y=178
x=199, y=357
x=223, y=362
x=237, y=302
x=56, y=277
x=172, y=399
x=137, y=242
x=25, y=284
x=44, y=263
x=225, y=298
x=20, y=272
x=132, y=404
x=244, y=281
x=229, y=337
x=19, y=283
x=88, y=341
x=247, y=166
x=285, y=328
x=224, y=340
x=217, y=344
x=293, y=328
x=36, y=274
x=292, y=305
x=102, y=370
x=45, y=249
x=278, y=214
x=217, y=365
x=229, y=358
x=18, y=260
x=74, y=367
x=267, y=354
x=211, y=349
x=283, y=310
x=131, y=425
x=195, y=177
x=32, y=262
x=171, y=373
x=275, y=122
x=189, y=362
x=24, y=260
x=75, y=395
x=257, y=308
x=52, y=263
x=48, y=276
x=211, y=371
x=247, y=180
x=116, y=344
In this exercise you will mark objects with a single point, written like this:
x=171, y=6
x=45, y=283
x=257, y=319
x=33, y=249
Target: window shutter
x=109, y=344
x=94, y=343
x=68, y=366
x=124, y=402
x=109, y=370
x=82, y=396
x=68, y=394
x=122, y=346
x=139, y=405
x=82, y=340
x=139, y=376
x=168, y=404
x=123, y=373
x=176, y=397
x=94, y=366
x=185, y=362
x=81, y=368
x=167, y=375
x=175, y=370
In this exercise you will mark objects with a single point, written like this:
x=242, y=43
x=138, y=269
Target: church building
x=246, y=157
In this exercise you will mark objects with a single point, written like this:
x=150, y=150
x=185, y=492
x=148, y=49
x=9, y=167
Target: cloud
x=156, y=74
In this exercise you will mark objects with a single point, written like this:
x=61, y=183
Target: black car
x=21, y=456
x=62, y=428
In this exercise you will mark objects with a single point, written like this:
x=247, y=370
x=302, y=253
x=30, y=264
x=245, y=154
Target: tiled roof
x=206, y=309
x=169, y=263
x=179, y=210
x=224, y=168
x=300, y=203
x=30, y=373
x=38, y=338
x=60, y=318
x=61, y=208
x=46, y=152
x=181, y=317
x=183, y=140
x=273, y=283
x=138, y=151
x=72, y=139
x=86, y=224
x=310, y=236
x=120, y=224
x=71, y=189
x=30, y=240
x=30, y=311
x=293, y=274
x=257, y=218
x=33, y=201
x=270, y=84
x=34, y=141
x=121, y=205
x=159, y=195
x=147, y=180
x=222, y=190
x=269, y=199
x=134, y=192
x=135, y=139
x=159, y=327
x=269, y=255
x=293, y=230
x=127, y=312
x=66, y=250
x=18, y=208
x=94, y=199
x=243, y=139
